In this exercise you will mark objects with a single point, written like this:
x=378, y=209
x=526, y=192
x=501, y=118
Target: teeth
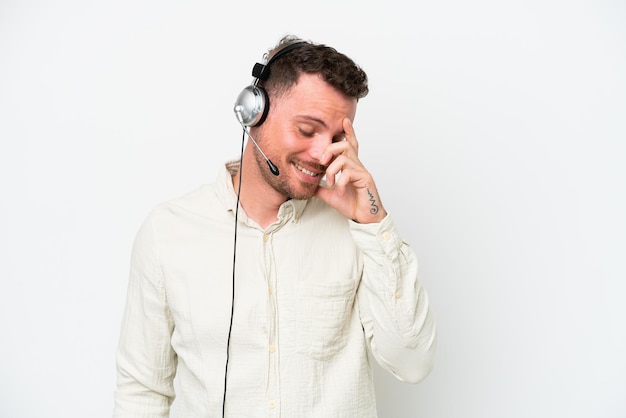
x=305, y=171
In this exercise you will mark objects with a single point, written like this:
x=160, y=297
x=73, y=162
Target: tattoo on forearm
x=374, y=208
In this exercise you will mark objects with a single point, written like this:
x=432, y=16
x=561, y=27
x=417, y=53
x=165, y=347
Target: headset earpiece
x=253, y=104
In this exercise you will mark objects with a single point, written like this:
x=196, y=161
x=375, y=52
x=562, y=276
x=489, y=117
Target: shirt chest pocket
x=323, y=314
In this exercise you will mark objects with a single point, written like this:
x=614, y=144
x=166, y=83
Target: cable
x=232, y=303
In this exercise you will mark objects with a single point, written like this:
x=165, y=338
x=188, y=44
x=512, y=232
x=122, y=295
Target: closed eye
x=308, y=134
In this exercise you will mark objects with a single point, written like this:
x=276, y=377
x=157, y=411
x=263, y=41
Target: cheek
x=288, y=141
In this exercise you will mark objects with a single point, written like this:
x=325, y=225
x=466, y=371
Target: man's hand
x=354, y=193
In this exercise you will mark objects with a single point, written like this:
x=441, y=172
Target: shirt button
x=272, y=404
x=272, y=348
x=386, y=236
x=398, y=294
x=266, y=237
x=270, y=290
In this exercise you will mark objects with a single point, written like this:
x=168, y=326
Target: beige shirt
x=313, y=292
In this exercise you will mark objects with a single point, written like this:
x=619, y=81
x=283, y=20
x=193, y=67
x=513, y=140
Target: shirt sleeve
x=146, y=362
x=394, y=308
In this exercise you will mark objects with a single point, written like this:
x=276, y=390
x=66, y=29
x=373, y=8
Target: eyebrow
x=306, y=118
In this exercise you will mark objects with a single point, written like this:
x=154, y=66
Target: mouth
x=313, y=174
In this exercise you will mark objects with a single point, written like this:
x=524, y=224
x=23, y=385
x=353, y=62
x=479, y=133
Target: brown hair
x=335, y=68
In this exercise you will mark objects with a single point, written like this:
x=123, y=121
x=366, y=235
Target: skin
x=304, y=136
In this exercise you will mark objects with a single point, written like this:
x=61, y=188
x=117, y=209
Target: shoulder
x=191, y=209
x=195, y=201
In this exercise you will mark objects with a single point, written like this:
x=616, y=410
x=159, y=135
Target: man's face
x=299, y=127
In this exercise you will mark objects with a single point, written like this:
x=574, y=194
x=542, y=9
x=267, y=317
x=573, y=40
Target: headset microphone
x=270, y=164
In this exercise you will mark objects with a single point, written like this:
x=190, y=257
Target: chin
x=303, y=193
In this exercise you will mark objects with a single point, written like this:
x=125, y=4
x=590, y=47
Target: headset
x=253, y=103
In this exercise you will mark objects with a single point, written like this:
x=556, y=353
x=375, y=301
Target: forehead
x=311, y=97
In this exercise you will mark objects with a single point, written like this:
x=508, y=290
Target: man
x=263, y=292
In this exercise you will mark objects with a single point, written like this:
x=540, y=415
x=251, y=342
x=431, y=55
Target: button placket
x=273, y=388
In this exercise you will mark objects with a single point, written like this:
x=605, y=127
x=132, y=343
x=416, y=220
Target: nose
x=318, y=146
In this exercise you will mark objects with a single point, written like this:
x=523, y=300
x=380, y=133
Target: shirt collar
x=227, y=196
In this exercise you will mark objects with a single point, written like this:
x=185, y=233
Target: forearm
x=407, y=353
x=394, y=307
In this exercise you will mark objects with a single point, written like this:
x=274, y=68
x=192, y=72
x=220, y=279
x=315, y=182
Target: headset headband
x=262, y=71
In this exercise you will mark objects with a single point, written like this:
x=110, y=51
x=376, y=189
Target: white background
x=495, y=131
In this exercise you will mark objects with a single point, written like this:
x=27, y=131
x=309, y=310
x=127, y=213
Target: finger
x=334, y=150
x=341, y=183
x=350, y=135
x=335, y=167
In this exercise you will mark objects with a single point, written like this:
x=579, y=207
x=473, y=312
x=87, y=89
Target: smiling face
x=299, y=127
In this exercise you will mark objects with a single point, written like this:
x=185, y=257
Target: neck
x=260, y=201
